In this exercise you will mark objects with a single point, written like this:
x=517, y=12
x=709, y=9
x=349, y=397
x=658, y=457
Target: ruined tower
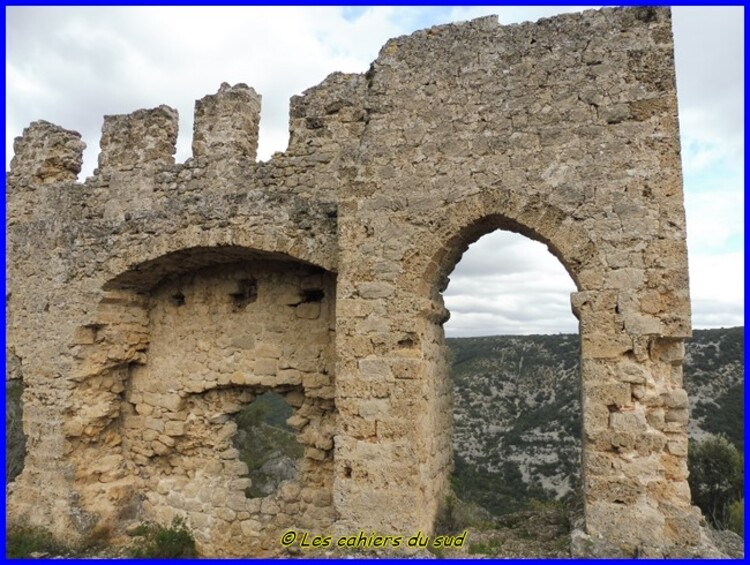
x=152, y=301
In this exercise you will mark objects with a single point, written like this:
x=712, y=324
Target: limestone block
x=269, y=506
x=627, y=422
x=294, y=398
x=615, y=490
x=631, y=525
x=376, y=408
x=237, y=502
x=226, y=514
x=684, y=523
x=235, y=468
x=617, y=394
x=269, y=350
x=314, y=381
x=375, y=368
x=632, y=373
x=406, y=368
x=308, y=310
x=601, y=345
x=229, y=454
x=219, y=497
x=289, y=491
x=315, y=454
x=676, y=398
x=226, y=123
x=174, y=428
x=678, y=446
x=373, y=290
x=297, y=422
x=226, y=431
x=655, y=418
x=159, y=448
x=154, y=424
x=677, y=416
x=198, y=519
x=266, y=367
x=166, y=440
x=241, y=484
x=251, y=528
x=668, y=351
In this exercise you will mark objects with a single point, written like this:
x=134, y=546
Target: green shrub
x=716, y=478
x=737, y=517
x=166, y=542
x=490, y=547
x=22, y=541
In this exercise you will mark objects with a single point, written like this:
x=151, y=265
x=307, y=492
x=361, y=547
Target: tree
x=716, y=478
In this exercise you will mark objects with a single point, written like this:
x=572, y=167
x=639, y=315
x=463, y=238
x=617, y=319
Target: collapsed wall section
x=218, y=338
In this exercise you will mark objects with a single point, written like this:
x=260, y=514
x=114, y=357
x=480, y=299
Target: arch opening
x=512, y=350
x=267, y=442
x=148, y=274
x=181, y=351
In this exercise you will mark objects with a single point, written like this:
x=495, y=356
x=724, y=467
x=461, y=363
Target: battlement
x=226, y=123
x=332, y=109
x=226, y=126
x=145, y=138
x=47, y=153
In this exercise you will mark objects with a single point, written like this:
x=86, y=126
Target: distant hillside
x=713, y=373
x=517, y=411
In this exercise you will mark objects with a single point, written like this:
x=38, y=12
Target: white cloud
x=709, y=61
x=717, y=284
x=718, y=277
x=115, y=60
x=715, y=218
x=507, y=283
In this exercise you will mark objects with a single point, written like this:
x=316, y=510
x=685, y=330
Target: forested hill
x=517, y=410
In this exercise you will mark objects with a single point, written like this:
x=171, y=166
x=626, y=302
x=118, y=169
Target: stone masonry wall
x=217, y=339
x=150, y=302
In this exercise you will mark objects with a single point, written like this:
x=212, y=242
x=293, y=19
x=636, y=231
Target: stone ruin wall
x=215, y=338
x=150, y=302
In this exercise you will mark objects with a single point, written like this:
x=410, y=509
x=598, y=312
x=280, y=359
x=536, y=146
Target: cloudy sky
x=72, y=65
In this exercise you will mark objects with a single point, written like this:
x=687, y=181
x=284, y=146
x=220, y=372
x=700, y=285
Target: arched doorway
x=513, y=352
x=181, y=347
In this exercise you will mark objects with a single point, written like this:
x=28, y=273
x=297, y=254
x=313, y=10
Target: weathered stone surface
x=141, y=139
x=150, y=303
x=226, y=123
x=47, y=153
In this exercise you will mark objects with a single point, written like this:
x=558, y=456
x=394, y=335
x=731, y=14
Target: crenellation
x=144, y=139
x=226, y=124
x=327, y=118
x=46, y=153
